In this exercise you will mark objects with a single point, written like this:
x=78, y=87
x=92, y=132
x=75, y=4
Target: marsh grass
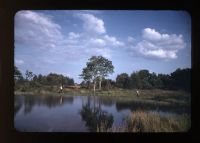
x=141, y=121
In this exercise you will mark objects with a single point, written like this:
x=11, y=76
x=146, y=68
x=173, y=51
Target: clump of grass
x=141, y=121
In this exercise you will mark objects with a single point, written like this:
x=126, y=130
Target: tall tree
x=123, y=80
x=96, y=69
x=144, y=77
x=29, y=75
x=135, y=80
x=181, y=79
x=17, y=74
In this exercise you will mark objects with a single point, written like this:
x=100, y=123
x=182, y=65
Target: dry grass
x=141, y=121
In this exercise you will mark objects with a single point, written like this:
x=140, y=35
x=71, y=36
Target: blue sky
x=63, y=41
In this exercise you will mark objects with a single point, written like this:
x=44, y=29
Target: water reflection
x=30, y=101
x=80, y=113
x=17, y=105
x=150, y=105
x=96, y=119
x=106, y=101
x=61, y=99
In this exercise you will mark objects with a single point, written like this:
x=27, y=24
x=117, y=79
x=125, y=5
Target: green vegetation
x=40, y=84
x=157, y=92
x=96, y=119
x=97, y=68
x=94, y=75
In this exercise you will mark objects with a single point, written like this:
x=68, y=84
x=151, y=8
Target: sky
x=62, y=41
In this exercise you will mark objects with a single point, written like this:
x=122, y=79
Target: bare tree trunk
x=94, y=86
x=108, y=85
x=100, y=80
x=88, y=86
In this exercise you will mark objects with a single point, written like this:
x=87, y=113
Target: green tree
x=144, y=77
x=155, y=81
x=123, y=80
x=166, y=81
x=18, y=78
x=17, y=74
x=135, y=80
x=181, y=79
x=107, y=84
x=96, y=69
x=56, y=79
x=141, y=79
x=29, y=75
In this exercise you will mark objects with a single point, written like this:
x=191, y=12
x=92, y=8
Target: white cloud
x=97, y=42
x=113, y=41
x=92, y=24
x=104, y=52
x=39, y=31
x=150, y=50
x=73, y=35
x=157, y=45
x=32, y=28
x=19, y=62
x=151, y=34
x=131, y=39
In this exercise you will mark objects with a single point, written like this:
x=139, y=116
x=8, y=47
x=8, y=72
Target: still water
x=68, y=113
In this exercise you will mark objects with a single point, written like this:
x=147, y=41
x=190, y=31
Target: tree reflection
x=61, y=99
x=149, y=105
x=17, y=105
x=29, y=102
x=96, y=119
x=49, y=101
x=107, y=101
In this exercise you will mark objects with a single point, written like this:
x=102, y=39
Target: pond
x=70, y=113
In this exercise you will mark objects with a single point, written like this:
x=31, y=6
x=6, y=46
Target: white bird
x=61, y=89
x=137, y=92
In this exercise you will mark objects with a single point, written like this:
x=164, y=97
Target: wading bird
x=61, y=89
x=137, y=91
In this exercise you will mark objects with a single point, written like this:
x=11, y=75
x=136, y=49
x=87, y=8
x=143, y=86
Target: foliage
x=95, y=73
x=33, y=81
x=29, y=75
x=96, y=69
x=123, y=80
x=177, y=80
x=97, y=120
x=181, y=79
x=17, y=74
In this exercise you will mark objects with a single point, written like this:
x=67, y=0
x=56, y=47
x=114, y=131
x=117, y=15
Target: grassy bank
x=142, y=118
x=144, y=94
x=140, y=121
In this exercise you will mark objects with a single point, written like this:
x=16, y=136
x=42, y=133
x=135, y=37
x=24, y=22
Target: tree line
x=33, y=80
x=180, y=79
x=98, y=68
